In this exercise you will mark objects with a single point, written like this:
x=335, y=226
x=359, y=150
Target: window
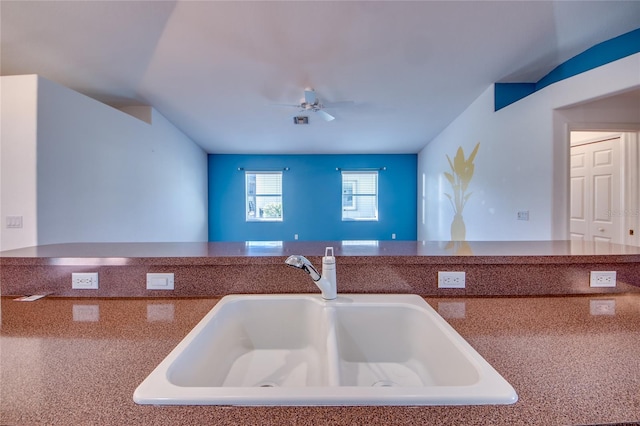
x=360, y=196
x=264, y=196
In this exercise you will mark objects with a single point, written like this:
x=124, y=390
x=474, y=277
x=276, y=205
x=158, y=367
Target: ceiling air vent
x=301, y=119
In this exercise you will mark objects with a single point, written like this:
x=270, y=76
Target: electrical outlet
x=84, y=280
x=451, y=279
x=603, y=279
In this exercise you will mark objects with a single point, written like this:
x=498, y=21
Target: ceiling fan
x=311, y=102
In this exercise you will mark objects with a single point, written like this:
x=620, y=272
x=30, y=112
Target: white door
x=596, y=212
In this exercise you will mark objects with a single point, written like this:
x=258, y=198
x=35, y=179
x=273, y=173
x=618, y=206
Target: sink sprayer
x=325, y=282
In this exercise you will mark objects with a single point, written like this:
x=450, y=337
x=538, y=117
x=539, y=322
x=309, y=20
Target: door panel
x=602, y=199
x=578, y=224
x=595, y=191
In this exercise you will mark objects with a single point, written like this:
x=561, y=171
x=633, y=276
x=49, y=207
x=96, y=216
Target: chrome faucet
x=325, y=282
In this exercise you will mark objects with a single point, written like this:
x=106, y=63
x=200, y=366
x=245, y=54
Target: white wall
x=106, y=176
x=18, y=115
x=522, y=163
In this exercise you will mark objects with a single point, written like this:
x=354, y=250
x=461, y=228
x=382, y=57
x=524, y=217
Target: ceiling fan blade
x=326, y=115
x=310, y=96
x=287, y=105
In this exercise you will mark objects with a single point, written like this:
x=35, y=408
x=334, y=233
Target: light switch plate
x=156, y=281
x=14, y=222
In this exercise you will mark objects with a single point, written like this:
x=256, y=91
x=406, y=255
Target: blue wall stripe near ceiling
x=603, y=53
x=508, y=93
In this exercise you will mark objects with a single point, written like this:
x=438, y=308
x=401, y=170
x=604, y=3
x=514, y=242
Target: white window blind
x=264, y=196
x=360, y=196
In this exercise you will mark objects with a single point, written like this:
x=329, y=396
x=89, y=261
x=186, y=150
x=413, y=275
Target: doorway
x=604, y=185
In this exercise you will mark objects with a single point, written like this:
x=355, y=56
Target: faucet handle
x=328, y=256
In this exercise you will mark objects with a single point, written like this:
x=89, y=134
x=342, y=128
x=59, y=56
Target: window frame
x=351, y=203
x=255, y=208
x=354, y=200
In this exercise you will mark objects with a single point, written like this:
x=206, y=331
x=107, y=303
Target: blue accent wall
x=312, y=198
x=507, y=93
x=603, y=53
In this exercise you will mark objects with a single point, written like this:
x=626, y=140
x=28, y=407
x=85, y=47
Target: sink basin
x=256, y=342
x=360, y=349
x=398, y=347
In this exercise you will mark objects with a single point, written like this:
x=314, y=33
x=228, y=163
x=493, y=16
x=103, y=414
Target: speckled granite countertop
x=262, y=252
x=492, y=268
x=573, y=361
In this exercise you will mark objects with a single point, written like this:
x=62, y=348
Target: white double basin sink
x=302, y=350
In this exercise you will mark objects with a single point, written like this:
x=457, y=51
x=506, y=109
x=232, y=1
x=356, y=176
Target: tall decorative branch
x=461, y=173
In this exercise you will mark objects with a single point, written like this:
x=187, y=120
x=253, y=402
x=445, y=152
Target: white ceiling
x=216, y=68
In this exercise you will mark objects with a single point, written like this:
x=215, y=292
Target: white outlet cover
x=84, y=280
x=603, y=279
x=448, y=279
